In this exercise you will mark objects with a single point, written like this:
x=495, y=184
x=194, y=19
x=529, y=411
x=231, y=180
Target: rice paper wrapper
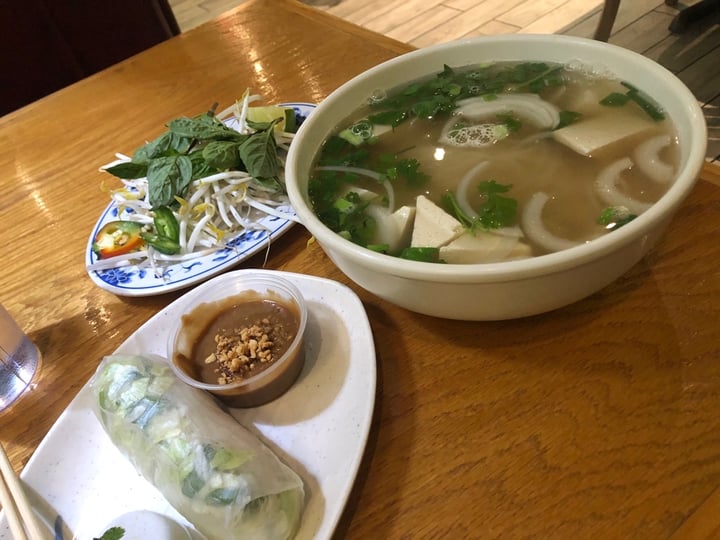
x=217, y=474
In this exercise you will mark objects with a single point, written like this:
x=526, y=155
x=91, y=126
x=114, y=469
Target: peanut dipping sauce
x=237, y=338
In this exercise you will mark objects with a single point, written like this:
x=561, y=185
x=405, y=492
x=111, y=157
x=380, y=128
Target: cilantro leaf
x=389, y=118
x=567, y=118
x=495, y=212
x=395, y=168
x=645, y=102
x=615, y=217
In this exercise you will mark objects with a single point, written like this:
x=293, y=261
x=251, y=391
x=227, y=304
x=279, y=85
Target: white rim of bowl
x=517, y=269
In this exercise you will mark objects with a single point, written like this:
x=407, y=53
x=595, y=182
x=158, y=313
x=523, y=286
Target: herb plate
x=319, y=427
x=143, y=281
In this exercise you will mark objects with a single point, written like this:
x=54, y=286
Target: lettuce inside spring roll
x=217, y=474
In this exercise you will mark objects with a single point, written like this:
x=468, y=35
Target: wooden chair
x=682, y=20
x=607, y=19
x=691, y=14
x=49, y=44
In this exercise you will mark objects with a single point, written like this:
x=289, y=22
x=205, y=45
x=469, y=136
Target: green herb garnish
x=197, y=147
x=343, y=212
x=440, y=94
x=495, y=212
x=614, y=217
x=422, y=254
x=567, y=118
x=634, y=94
x=113, y=533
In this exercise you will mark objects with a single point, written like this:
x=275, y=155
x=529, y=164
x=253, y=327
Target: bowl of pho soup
x=497, y=177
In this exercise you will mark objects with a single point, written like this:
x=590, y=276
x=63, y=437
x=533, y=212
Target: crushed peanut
x=242, y=352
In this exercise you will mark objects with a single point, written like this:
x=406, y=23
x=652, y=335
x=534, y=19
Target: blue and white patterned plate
x=142, y=281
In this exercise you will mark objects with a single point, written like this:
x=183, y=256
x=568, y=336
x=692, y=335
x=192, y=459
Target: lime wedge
x=270, y=113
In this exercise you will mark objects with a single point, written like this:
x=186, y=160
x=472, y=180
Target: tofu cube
x=590, y=136
x=393, y=229
x=404, y=218
x=433, y=226
x=484, y=247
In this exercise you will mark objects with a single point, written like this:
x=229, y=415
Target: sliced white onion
x=647, y=159
x=461, y=194
x=534, y=228
x=531, y=107
x=607, y=189
x=370, y=174
x=353, y=170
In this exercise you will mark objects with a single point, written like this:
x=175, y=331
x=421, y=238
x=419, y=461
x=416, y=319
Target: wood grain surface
x=599, y=420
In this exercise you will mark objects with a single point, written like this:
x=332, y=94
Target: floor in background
x=424, y=22
x=641, y=25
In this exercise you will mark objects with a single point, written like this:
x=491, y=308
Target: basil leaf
x=259, y=155
x=221, y=155
x=200, y=167
x=196, y=129
x=261, y=126
x=165, y=145
x=128, y=170
x=168, y=177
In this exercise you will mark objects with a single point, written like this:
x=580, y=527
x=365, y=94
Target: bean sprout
x=215, y=210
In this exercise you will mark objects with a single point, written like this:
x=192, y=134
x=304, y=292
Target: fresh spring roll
x=217, y=474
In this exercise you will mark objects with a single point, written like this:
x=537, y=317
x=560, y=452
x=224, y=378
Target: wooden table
x=599, y=420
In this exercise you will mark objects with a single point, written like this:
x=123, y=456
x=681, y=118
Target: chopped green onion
x=422, y=254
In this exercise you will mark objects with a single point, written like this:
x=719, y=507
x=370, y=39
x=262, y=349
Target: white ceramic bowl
x=512, y=289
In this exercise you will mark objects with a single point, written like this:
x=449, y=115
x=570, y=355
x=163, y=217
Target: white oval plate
x=142, y=281
x=319, y=427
